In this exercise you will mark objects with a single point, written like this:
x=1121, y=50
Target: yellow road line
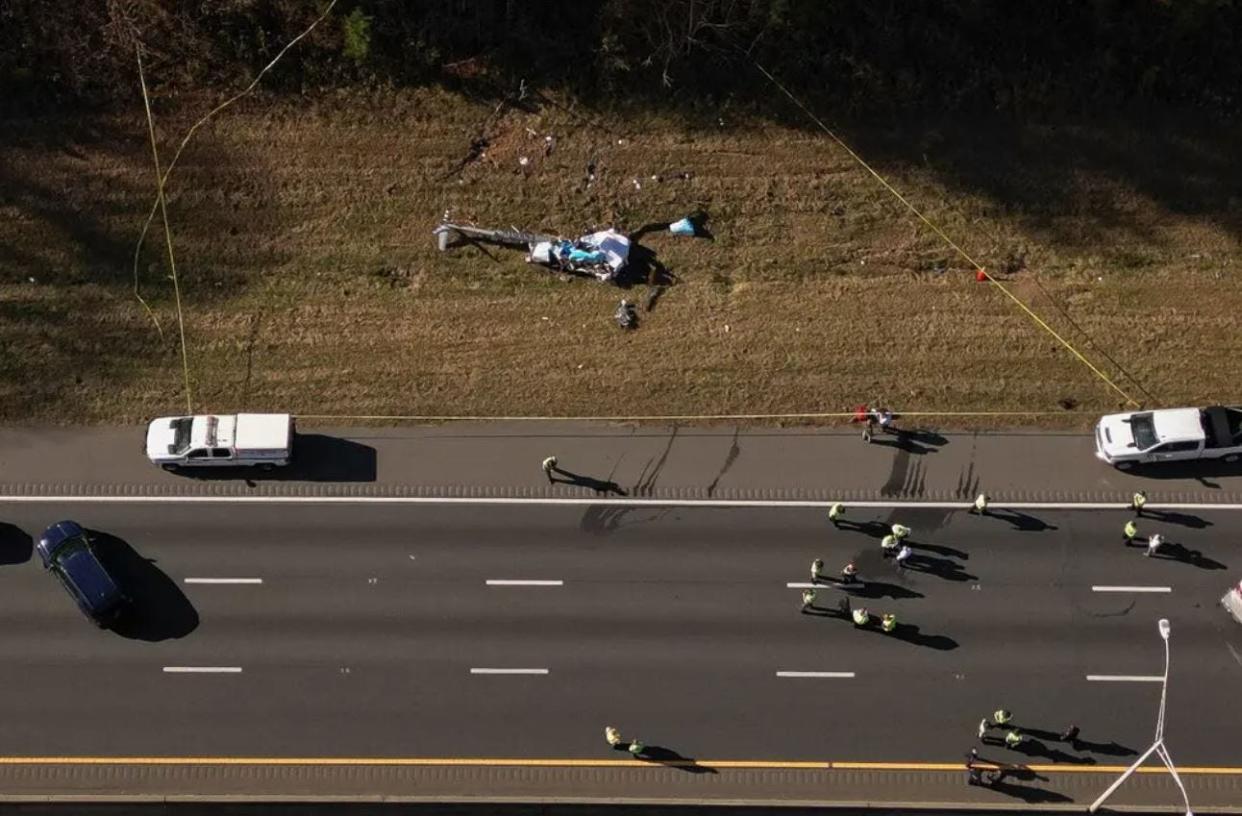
x=578, y=763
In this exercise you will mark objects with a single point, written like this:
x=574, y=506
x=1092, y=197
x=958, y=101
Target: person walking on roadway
x=849, y=573
x=903, y=554
x=1001, y=717
x=981, y=504
x=1013, y=739
x=1137, y=501
x=613, y=736
x=817, y=568
x=888, y=545
x=1153, y=544
x=636, y=747
x=808, y=599
x=900, y=531
x=984, y=725
x=861, y=618
x=1129, y=531
x=888, y=623
x=835, y=513
x=549, y=465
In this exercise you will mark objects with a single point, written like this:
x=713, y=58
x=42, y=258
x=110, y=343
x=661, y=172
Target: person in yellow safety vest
x=888, y=623
x=1013, y=739
x=613, y=736
x=1129, y=531
x=817, y=567
x=861, y=617
x=636, y=747
x=888, y=544
x=808, y=598
x=1001, y=716
x=1136, y=503
x=835, y=513
x=981, y=504
x=900, y=531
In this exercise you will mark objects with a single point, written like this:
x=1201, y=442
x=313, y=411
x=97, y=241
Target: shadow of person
x=911, y=634
x=1036, y=748
x=902, y=440
x=939, y=567
x=938, y=549
x=16, y=545
x=315, y=458
x=1172, y=551
x=589, y=482
x=871, y=528
x=924, y=437
x=1184, y=519
x=878, y=589
x=1022, y=522
x=1027, y=793
x=1113, y=748
x=666, y=756
x=159, y=610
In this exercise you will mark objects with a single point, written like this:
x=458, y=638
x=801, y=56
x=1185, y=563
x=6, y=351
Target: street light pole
x=1157, y=747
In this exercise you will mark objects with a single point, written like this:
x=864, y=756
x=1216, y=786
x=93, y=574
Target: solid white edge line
x=523, y=582
x=223, y=580
x=803, y=585
x=1131, y=589
x=589, y=502
x=1124, y=678
x=202, y=669
x=843, y=675
x=508, y=671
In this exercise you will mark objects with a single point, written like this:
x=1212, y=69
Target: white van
x=264, y=441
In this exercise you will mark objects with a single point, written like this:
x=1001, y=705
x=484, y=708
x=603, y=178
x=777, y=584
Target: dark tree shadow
x=1184, y=519
x=1172, y=551
x=316, y=458
x=939, y=567
x=1022, y=522
x=159, y=610
x=589, y=482
x=16, y=545
x=939, y=549
x=911, y=634
x=668, y=757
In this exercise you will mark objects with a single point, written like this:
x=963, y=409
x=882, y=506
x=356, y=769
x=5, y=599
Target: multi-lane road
x=479, y=648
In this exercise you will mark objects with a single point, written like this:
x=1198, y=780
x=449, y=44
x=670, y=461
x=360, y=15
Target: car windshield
x=1144, y=430
x=69, y=548
x=181, y=434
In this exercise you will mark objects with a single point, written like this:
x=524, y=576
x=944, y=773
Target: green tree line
x=1018, y=57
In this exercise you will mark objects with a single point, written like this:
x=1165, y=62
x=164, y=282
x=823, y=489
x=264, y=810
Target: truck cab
x=211, y=440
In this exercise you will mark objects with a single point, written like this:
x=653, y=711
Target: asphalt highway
x=372, y=630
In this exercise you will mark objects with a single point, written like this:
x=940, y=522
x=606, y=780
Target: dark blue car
x=67, y=551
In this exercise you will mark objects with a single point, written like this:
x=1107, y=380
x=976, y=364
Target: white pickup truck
x=1169, y=435
x=264, y=441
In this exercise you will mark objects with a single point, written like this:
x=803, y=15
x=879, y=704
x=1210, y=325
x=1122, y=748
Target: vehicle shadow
x=316, y=458
x=159, y=610
x=16, y=545
x=1214, y=468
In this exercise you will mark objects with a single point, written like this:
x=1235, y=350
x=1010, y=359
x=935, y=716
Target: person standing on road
x=903, y=554
x=1129, y=531
x=1137, y=501
x=808, y=599
x=888, y=623
x=1070, y=735
x=636, y=748
x=613, y=736
x=849, y=573
x=888, y=545
x=984, y=725
x=1013, y=739
x=835, y=513
x=900, y=531
x=549, y=465
x=1153, y=544
x=981, y=504
x=817, y=568
x=1001, y=717
x=861, y=617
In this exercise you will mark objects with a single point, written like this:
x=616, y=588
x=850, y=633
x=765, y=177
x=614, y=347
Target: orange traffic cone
x=981, y=275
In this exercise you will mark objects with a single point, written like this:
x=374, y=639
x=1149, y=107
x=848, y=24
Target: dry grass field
x=311, y=281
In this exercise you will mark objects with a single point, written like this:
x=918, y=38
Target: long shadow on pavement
x=316, y=458
x=879, y=589
x=1027, y=793
x=1172, y=551
x=668, y=757
x=159, y=610
x=938, y=549
x=1184, y=519
x=16, y=545
x=1022, y=522
x=940, y=567
x=911, y=634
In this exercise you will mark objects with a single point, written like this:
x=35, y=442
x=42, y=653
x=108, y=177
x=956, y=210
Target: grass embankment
x=312, y=283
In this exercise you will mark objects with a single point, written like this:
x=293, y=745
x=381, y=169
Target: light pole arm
x=1117, y=784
